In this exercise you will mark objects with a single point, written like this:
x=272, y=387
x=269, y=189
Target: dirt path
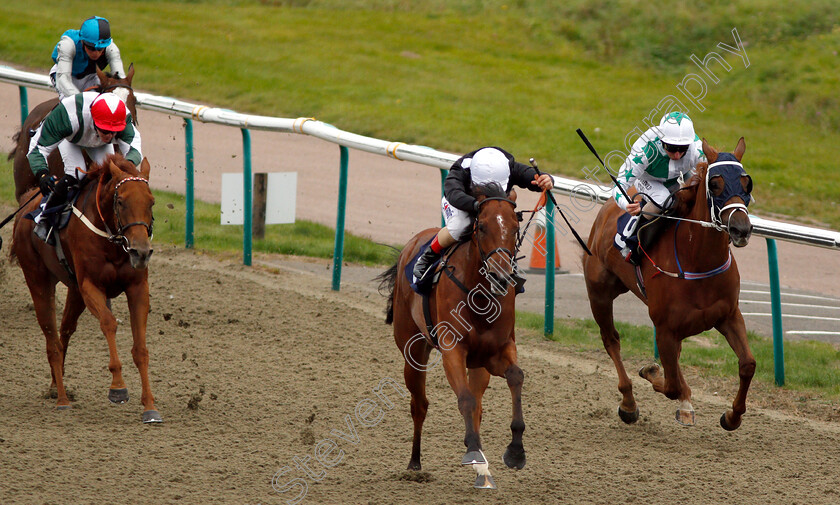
x=274, y=364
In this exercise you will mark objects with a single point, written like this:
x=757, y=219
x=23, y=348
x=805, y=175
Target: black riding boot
x=631, y=251
x=423, y=263
x=56, y=199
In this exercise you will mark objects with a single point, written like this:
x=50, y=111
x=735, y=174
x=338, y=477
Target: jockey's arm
x=112, y=54
x=633, y=166
x=128, y=142
x=455, y=190
x=55, y=128
x=64, y=67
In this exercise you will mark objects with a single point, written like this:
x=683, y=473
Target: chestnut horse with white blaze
x=690, y=281
x=472, y=309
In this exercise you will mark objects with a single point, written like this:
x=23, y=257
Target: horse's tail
x=15, y=139
x=386, y=284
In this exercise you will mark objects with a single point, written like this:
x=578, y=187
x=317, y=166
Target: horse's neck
x=87, y=203
x=706, y=245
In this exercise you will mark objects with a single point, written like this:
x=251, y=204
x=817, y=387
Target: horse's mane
x=489, y=190
x=684, y=199
x=98, y=170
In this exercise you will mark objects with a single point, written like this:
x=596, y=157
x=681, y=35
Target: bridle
x=485, y=256
x=118, y=237
x=716, y=211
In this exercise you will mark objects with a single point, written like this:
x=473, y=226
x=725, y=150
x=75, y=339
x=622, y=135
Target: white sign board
x=280, y=198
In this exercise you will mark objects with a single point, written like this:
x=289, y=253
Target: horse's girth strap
x=90, y=225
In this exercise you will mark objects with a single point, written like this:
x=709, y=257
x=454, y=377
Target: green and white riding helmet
x=676, y=129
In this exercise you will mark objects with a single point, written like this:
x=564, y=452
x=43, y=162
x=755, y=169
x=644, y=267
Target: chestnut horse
x=472, y=308
x=690, y=278
x=24, y=178
x=114, y=196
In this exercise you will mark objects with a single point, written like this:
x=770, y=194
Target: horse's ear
x=145, y=168
x=130, y=74
x=739, y=149
x=512, y=195
x=709, y=151
x=101, y=75
x=114, y=169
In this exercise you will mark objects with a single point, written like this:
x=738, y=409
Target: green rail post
x=776, y=309
x=338, y=252
x=24, y=104
x=443, y=174
x=549, y=268
x=246, y=187
x=189, y=226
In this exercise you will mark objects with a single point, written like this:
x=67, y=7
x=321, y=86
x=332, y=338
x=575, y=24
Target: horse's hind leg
x=602, y=311
x=42, y=288
x=74, y=305
x=672, y=384
x=735, y=332
x=416, y=353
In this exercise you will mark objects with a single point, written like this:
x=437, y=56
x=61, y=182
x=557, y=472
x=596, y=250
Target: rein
x=715, y=222
x=119, y=237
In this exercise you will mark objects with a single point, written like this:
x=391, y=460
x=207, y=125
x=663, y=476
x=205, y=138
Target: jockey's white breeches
x=457, y=221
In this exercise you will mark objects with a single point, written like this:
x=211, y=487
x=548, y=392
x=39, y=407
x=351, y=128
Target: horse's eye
x=716, y=185
x=746, y=183
x=482, y=228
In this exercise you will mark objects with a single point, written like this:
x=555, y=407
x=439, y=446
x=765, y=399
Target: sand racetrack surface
x=256, y=369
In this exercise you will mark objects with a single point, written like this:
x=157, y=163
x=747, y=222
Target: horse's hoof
x=726, y=426
x=118, y=396
x=628, y=417
x=684, y=417
x=652, y=369
x=63, y=407
x=413, y=465
x=152, y=416
x=484, y=482
x=474, y=458
x=514, y=458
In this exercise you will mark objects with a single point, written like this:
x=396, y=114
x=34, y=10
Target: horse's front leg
x=506, y=365
x=672, y=384
x=95, y=301
x=138, y=305
x=735, y=332
x=455, y=365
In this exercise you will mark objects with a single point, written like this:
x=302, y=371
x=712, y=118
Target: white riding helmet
x=676, y=129
x=490, y=165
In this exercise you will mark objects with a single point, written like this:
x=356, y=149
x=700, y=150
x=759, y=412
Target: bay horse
x=101, y=265
x=691, y=281
x=24, y=178
x=473, y=313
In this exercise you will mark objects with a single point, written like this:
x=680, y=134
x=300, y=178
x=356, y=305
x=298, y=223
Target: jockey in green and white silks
x=657, y=166
x=659, y=161
x=79, y=52
x=89, y=122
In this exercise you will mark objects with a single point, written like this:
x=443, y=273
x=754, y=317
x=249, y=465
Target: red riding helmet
x=108, y=112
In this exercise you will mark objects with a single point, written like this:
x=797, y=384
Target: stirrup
x=42, y=231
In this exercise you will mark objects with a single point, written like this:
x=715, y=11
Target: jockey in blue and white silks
x=79, y=53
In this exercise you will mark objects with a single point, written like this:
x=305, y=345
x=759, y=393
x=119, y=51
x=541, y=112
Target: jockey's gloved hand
x=45, y=182
x=476, y=205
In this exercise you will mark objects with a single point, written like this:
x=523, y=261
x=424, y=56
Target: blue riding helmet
x=96, y=32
